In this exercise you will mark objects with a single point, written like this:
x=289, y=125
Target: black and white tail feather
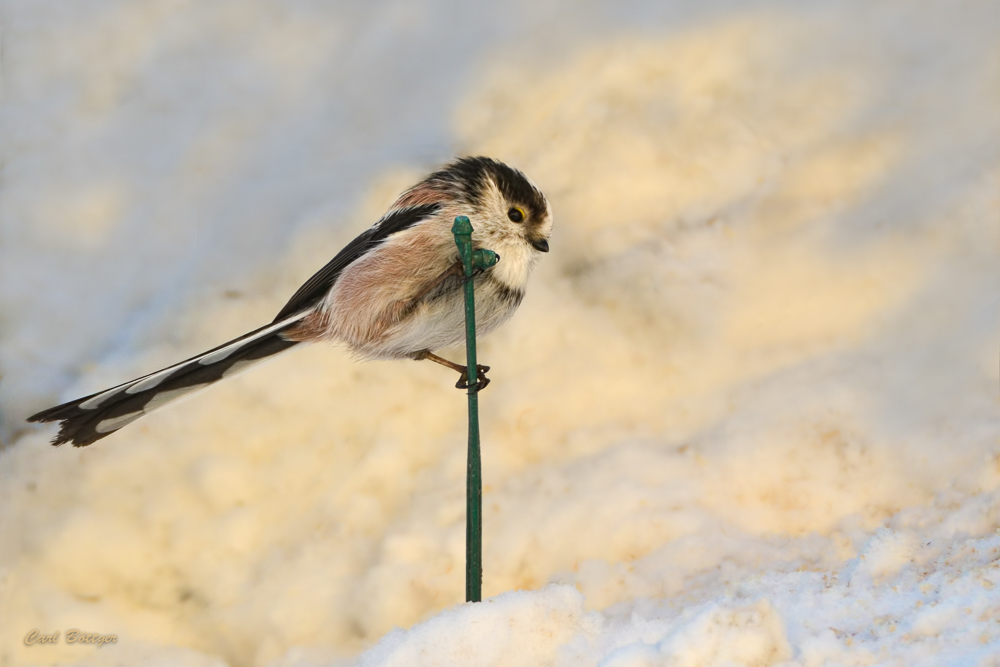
x=93, y=417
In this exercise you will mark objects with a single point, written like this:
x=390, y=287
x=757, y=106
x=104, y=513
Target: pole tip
x=462, y=226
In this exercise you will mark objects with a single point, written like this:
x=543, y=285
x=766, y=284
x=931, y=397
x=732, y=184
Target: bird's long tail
x=93, y=417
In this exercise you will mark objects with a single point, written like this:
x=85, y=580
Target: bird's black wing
x=316, y=287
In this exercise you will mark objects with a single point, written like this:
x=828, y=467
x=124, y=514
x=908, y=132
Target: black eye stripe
x=515, y=214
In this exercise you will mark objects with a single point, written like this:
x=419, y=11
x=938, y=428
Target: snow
x=747, y=415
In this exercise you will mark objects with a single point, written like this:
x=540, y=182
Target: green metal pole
x=472, y=260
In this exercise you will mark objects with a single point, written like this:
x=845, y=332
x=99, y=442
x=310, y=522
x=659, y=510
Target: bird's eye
x=515, y=214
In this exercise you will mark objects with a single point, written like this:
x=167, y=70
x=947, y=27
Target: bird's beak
x=541, y=245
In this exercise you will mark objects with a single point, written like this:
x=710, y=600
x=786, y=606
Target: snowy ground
x=747, y=415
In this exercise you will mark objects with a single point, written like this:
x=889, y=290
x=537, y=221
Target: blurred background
x=767, y=330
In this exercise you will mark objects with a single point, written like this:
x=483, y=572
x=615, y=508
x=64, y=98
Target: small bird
x=394, y=292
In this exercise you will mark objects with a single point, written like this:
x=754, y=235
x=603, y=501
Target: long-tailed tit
x=394, y=292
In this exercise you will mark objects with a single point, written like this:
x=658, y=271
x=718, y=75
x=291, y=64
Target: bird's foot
x=463, y=379
x=481, y=379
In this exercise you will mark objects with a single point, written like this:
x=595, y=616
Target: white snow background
x=747, y=414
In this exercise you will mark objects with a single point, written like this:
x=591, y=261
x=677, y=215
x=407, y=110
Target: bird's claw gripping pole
x=472, y=261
